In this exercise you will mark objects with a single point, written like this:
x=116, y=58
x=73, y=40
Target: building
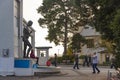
x=43, y=54
x=11, y=32
x=93, y=43
x=11, y=19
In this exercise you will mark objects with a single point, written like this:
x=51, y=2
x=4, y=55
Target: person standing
x=112, y=62
x=32, y=55
x=55, y=60
x=76, y=62
x=86, y=62
x=26, y=35
x=94, y=63
x=89, y=59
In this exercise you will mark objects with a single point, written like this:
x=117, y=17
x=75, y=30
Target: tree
x=62, y=18
x=108, y=45
x=115, y=26
x=77, y=40
x=106, y=20
x=69, y=51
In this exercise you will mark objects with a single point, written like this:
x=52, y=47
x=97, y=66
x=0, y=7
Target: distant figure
x=86, y=61
x=76, y=62
x=55, y=60
x=48, y=63
x=112, y=62
x=35, y=66
x=32, y=55
x=94, y=63
x=89, y=59
x=26, y=34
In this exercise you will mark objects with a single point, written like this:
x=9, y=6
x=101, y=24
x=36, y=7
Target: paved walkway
x=84, y=73
x=67, y=73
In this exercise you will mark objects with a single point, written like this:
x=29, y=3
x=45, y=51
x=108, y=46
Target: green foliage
x=62, y=18
x=64, y=57
x=103, y=17
x=117, y=60
x=115, y=24
x=77, y=39
x=69, y=51
x=68, y=57
x=106, y=19
x=106, y=64
x=55, y=15
x=66, y=16
x=59, y=59
x=82, y=57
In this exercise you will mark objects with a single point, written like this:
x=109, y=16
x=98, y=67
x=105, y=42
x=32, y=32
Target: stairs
x=45, y=70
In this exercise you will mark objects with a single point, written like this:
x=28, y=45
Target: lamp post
x=58, y=52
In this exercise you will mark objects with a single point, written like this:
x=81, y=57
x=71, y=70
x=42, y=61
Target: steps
x=45, y=70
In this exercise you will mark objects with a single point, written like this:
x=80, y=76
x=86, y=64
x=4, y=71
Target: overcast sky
x=30, y=13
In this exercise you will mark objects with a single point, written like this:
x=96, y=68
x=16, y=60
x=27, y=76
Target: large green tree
x=62, y=18
x=115, y=26
x=106, y=19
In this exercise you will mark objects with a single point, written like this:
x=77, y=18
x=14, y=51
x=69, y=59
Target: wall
x=6, y=22
x=8, y=35
x=90, y=33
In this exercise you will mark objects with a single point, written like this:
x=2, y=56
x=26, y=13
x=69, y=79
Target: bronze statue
x=26, y=35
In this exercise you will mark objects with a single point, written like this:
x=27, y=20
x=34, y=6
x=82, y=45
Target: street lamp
x=58, y=52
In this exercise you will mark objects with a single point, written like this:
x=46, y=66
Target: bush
x=81, y=56
x=68, y=58
x=106, y=64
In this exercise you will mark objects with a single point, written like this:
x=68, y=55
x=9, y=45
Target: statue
x=26, y=35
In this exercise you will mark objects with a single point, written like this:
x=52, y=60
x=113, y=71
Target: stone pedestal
x=23, y=67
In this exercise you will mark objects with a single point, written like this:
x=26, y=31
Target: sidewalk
x=84, y=73
x=68, y=73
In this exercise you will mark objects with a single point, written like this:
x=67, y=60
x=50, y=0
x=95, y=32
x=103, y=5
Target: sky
x=30, y=13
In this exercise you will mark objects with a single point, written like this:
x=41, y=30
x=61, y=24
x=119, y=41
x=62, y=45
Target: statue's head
x=29, y=23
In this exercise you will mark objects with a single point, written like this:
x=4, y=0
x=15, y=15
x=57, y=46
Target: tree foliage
x=77, y=40
x=104, y=12
x=115, y=26
x=106, y=19
x=62, y=18
x=55, y=13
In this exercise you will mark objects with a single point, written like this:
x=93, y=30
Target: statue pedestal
x=23, y=67
x=45, y=70
x=7, y=66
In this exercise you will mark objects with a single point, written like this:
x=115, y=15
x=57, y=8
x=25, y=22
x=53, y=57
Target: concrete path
x=84, y=73
x=68, y=73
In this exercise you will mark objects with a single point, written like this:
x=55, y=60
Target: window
x=42, y=53
x=90, y=43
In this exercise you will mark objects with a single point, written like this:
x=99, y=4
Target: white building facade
x=93, y=43
x=11, y=19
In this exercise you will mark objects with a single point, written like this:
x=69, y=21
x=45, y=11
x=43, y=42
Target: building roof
x=89, y=31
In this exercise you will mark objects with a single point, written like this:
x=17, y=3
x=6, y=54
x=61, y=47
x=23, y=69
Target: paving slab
x=67, y=73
